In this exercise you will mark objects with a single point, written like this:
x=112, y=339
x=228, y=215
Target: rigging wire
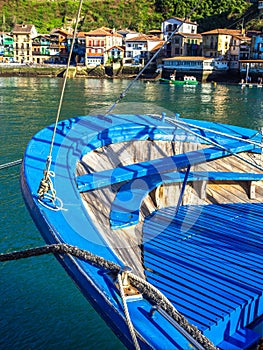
x=187, y=129
x=63, y=87
x=248, y=140
x=123, y=93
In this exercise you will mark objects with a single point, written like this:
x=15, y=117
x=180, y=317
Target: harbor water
x=41, y=308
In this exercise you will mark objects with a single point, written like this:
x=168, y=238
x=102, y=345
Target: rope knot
x=46, y=185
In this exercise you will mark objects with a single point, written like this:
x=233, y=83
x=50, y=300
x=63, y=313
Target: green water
x=40, y=306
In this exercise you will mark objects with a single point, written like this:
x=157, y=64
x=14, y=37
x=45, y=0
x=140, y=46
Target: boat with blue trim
x=178, y=202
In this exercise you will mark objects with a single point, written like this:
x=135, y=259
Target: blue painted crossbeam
x=104, y=178
x=125, y=209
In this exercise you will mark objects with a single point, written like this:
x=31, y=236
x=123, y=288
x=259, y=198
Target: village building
x=79, y=49
x=115, y=54
x=216, y=43
x=186, y=44
x=188, y=64
x=257, y=46
x=98, y=42
x=142, y=47
x=239, y=49
x=174, y=25
x=22, y=35
x=58, y=46
x=6, y=48
x=41, y=48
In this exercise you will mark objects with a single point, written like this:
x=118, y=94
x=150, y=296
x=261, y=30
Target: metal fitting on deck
x=129, y=290
x=125, y=276
x=153, y=310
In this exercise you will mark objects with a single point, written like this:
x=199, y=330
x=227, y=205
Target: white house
x=141, y=46
x=178, y=24
x=191, y=63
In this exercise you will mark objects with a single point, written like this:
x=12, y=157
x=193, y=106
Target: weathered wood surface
x=126, y=242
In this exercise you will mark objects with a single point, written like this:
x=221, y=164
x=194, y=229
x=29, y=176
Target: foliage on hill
x=140, y=15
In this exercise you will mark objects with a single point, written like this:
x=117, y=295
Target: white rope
x=215, y=144
x=126, y=313
x=46, y=182
x=47, y=194
x=64, y=86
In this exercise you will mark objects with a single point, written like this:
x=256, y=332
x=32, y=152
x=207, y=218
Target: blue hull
x=73, y=225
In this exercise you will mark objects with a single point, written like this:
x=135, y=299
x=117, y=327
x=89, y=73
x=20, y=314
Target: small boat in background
x=187, y=80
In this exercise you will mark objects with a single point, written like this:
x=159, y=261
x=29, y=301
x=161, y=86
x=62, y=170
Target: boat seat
x=170, y=164
x=207, y=260
x=125, y=209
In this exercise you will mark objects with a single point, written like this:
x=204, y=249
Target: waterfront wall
x=113, y=71
x=79, y=71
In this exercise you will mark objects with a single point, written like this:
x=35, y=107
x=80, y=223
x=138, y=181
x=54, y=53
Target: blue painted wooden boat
x=178, y=201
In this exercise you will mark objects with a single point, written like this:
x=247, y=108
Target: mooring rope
x=10, y=164
x=148, y=290
x=126, y=312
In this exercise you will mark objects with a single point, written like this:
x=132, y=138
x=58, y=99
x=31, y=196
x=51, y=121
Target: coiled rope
x=150, y=292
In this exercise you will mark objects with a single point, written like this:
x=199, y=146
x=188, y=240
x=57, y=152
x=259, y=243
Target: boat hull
x=178, y=82
x=72, y=224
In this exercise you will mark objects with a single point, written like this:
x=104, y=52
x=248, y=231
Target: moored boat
x=178, y=201
x=187, y=80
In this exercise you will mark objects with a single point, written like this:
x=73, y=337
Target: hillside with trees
x=140, y=15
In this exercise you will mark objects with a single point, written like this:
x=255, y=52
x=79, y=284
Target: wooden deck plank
x=212, y=262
